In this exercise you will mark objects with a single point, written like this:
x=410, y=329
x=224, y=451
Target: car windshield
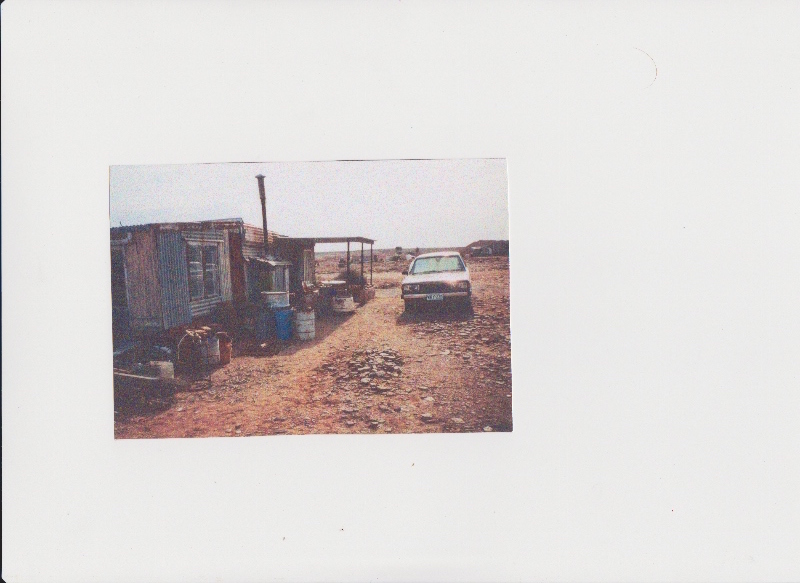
x=437, y=264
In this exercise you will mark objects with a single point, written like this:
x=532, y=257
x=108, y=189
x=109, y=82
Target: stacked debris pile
x=203, y=347
x=373, y=369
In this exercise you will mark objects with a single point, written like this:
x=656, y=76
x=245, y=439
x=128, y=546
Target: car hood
x=448, y=276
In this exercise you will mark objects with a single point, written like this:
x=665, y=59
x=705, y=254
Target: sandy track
x=455, y=376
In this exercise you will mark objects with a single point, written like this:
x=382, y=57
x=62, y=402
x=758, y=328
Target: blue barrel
x=283, y=323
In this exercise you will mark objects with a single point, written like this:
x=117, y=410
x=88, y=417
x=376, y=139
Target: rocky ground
x=379, y=370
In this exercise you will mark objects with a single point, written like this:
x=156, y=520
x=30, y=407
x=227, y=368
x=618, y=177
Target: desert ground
x=428, y=371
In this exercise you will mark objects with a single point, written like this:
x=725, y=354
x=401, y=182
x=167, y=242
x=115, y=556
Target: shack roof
x=214, y=224
x=270, y=262
x=252, y=232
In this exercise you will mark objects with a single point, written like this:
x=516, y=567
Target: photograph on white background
x=377, y=302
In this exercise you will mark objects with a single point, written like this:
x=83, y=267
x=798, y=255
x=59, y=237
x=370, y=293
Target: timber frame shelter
x=349, y=240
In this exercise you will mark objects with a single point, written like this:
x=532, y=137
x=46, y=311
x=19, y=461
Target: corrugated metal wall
x=238, y=282
x=204, y=306
x=144, y=291
x=254, y=241
x=174, y=276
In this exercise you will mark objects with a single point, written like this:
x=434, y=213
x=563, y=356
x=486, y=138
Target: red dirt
x=455, y=366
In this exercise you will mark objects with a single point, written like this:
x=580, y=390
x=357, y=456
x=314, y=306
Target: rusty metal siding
x=174, y=275
x=226, y=288
x=253, y=245
x=144, y=291
x=238, y=281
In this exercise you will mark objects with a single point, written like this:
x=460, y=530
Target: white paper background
x=655, y=286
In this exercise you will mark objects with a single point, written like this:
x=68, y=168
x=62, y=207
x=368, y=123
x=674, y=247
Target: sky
x=410, y=203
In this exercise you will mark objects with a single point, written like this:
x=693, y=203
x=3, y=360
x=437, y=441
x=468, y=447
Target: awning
x=343, y=240
x=269, y=262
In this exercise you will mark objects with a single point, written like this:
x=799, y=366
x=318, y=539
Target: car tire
x=409, y=305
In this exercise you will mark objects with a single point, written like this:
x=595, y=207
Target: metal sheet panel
x=204, y=306
x=174, y=276
x=225, y=269
x=253, y=245
x=143, y=289
x=238, y=282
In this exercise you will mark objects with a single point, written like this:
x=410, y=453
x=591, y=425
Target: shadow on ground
x=139, y=402
x=435, y=314
x=323, y=327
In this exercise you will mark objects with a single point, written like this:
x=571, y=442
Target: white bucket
x=162, y=369
x=343, y=305
x=304, y=325
x=275, y=299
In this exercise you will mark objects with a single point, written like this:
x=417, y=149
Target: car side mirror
x=405, y=272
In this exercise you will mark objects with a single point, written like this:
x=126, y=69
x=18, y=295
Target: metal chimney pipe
x=263, y=195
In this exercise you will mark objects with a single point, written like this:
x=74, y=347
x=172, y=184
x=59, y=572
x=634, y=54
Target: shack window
x=203, y=263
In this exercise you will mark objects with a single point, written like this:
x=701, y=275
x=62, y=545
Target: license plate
x=434, y=297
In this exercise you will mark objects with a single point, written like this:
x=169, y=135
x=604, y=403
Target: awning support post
x=370, y=263
x=362, y=262
x=348, y=261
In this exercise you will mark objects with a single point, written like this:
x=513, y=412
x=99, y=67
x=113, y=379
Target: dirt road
x=379, y=370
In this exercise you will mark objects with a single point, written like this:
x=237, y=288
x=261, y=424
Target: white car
x=437, y=278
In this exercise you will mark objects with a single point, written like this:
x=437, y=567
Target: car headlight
x=411, y=288
x=462, y=285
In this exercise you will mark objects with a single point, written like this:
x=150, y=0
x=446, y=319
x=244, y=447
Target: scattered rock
x=426, y=417
x=488, y=428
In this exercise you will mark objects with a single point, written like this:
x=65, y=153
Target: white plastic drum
x=162, y=369
x=275, y=299
x=304, y=325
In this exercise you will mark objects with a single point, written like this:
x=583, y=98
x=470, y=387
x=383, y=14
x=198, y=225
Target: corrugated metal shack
x=167, y=274
x=291, y=262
